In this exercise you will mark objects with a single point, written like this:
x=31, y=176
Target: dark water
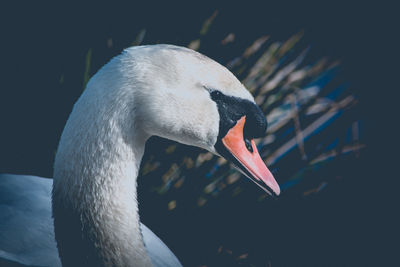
x=43, y=53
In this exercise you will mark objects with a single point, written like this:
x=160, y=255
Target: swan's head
x=193, y=100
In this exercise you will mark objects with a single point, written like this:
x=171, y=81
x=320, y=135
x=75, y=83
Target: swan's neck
x=95, y=207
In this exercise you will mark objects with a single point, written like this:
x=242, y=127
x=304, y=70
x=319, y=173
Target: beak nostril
x=248, y=145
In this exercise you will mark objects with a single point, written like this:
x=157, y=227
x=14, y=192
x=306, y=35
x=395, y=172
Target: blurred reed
x=309, y=110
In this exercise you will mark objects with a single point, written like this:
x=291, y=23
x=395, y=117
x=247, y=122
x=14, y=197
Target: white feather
x=26, y=226
x=149, y=90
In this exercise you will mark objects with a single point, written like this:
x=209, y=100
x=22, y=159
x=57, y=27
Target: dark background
x=351, y=224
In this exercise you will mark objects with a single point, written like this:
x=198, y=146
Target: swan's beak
x=248, y=160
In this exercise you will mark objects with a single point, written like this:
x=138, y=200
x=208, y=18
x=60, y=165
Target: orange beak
x=248, y=160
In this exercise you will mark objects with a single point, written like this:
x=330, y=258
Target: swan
x=163, y=90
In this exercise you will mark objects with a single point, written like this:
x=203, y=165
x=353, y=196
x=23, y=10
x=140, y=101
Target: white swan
x=164, y=90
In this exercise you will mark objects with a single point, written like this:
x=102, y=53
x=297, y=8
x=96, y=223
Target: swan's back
x=159, y=254
x=26, y=226
x=27, y=231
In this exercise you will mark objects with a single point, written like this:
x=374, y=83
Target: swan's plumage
x=164, y=90
x=26, y=226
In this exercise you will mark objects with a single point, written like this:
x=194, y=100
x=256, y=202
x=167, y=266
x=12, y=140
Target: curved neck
x=95, y=207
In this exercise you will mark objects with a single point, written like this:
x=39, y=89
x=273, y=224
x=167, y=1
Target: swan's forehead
x=185, y=69
x=211, y=75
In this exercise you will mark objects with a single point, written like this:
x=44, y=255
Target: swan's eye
x=216, y=94
x=248, y=145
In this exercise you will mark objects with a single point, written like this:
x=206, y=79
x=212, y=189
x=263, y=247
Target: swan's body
x=27, y=231
x=162, y=90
